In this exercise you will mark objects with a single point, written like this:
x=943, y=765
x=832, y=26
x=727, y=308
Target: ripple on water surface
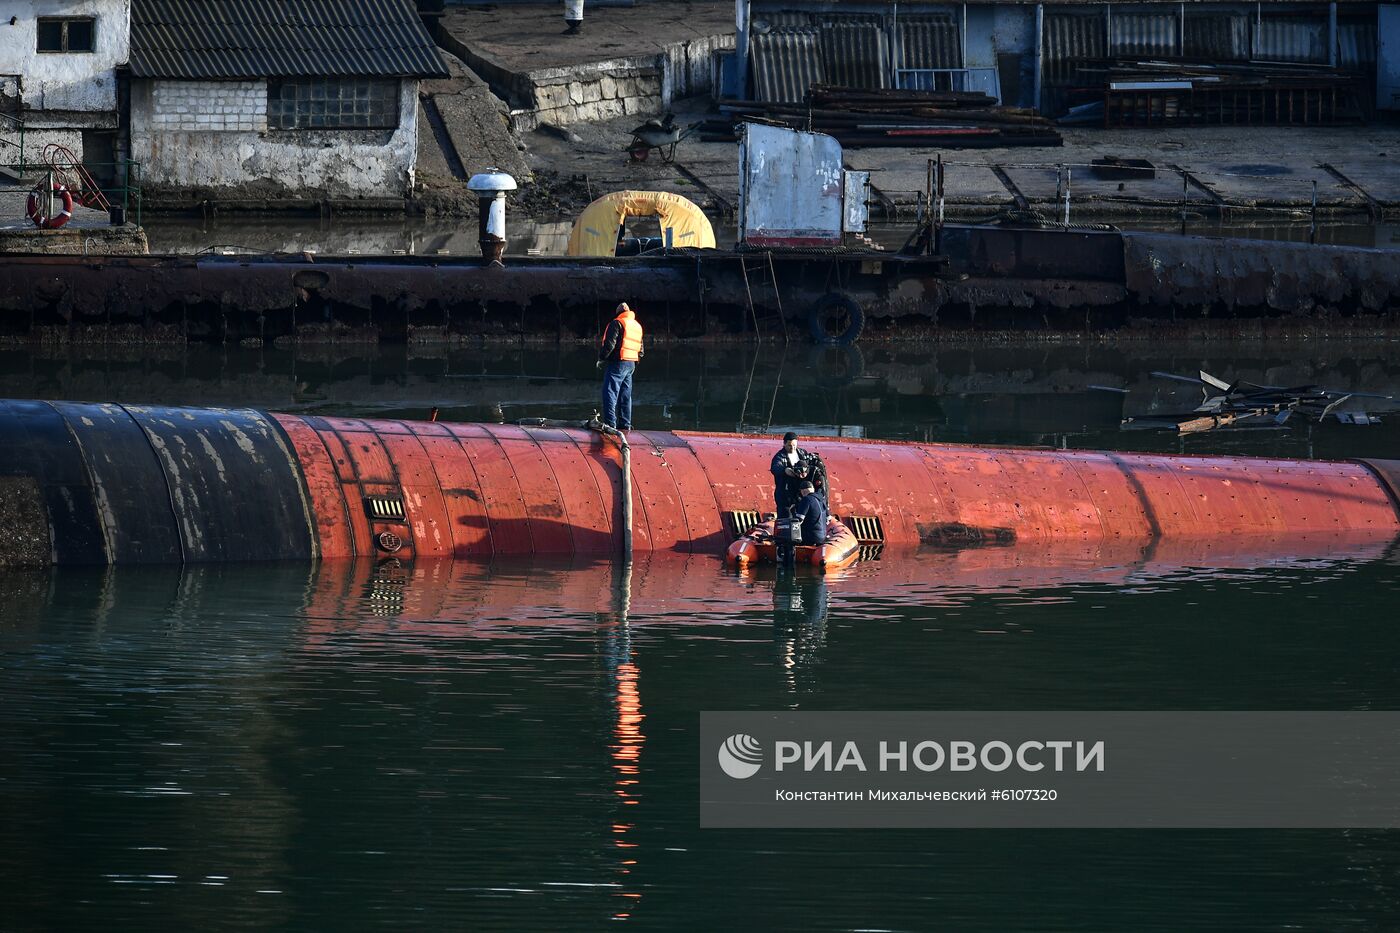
x=514, y=745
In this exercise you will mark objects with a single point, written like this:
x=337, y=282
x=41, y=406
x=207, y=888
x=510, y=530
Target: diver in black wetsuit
x=811, y=511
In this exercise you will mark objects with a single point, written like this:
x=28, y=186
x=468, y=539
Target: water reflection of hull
x=450, y=600
x=95, y=483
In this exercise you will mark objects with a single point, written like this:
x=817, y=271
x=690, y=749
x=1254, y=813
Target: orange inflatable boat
x=841, y=549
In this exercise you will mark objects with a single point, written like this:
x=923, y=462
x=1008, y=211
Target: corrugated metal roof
x=238, y=39
x=786, y=63
x=1284, y=38
x=766, y=20
x=1217, y=35
x=855, y=54
x=929, y=42
x=1069, y=39
x=1356, y=45
x=1140, y=33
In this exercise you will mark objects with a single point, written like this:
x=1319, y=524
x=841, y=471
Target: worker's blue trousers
x=617, y=394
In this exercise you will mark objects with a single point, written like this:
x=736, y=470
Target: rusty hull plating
x=106, y=483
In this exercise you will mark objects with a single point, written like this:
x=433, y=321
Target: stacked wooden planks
x=924, y=119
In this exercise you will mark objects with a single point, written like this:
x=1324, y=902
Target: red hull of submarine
x=93, y=483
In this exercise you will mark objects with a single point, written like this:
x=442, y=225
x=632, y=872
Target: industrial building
x=278, y=98
x=291, y=96
x=1042, y=55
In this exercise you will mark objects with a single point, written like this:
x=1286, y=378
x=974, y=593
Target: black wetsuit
x=812, y=511
x=785, y=493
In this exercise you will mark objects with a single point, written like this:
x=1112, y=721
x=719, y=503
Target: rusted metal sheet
x=544, y=500
x=1034, y=254
x=1290, y=277
x=917, y=493
x=790, y=187
x=500, y=489
x=1116, y=495
x=929, y=41
x=605, y=463
x=1071, y=38
x=703, y=517
x=967, y=491
x=1388, y=472
x=422, y=494
x=857, y=485
x=1052, y=496
x=1155, y=481
x=586, y=509
x=855, y=51
x=786, y=63
x=351, y=494
x=334, y=530
x=375, y=478
x=234, y=485
x=657, y=492
x=461, y=490
x=1227, y=495
x=737, y=470
x=1336, y=497
x=239, y=489
x=137, y=521
x=372, y=463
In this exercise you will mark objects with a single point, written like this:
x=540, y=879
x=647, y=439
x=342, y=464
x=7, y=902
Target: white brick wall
x=209, y=106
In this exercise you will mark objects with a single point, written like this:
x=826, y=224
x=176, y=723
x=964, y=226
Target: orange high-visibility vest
x=630, y=347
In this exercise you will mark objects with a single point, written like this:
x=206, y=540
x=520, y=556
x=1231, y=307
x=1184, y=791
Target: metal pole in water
x=1312, y=234
x=940, y=190
x=1185, y=199
x=1068, y=178
x=626, y=496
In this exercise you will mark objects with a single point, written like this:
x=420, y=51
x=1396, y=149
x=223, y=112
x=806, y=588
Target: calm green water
x=514, y=746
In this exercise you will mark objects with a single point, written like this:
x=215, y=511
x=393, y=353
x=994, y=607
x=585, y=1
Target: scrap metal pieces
x=1246, y=404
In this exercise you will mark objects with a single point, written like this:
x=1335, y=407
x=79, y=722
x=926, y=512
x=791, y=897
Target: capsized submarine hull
x=106, y=483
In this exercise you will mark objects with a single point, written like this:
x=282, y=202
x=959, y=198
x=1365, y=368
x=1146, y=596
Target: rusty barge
x=89, y=483
x=801, y=267
x=990, y=278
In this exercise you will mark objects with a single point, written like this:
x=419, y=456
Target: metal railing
x=122, y=190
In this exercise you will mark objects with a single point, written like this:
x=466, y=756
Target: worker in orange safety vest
x=619, y=353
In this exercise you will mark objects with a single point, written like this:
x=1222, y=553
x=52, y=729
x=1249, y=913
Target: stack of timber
x=1184, y=93
x=867, y=118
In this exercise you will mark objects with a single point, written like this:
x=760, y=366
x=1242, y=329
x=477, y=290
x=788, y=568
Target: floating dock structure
x=88, y=483
x=982, y=278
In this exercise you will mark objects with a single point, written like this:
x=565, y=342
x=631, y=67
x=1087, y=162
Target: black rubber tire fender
x=845, y=309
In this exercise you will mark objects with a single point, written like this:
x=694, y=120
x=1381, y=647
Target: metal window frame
x=354, y=105
x=63, y=22
x=957, y=77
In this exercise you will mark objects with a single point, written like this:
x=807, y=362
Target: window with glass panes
x=332, y=104
x=65, y=34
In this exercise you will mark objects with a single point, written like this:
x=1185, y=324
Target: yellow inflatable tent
x=682, y=222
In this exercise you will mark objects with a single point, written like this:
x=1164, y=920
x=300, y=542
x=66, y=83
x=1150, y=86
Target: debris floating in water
x=1244, y=404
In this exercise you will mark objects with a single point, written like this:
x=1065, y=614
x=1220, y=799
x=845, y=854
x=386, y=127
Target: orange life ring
x=34, y=207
